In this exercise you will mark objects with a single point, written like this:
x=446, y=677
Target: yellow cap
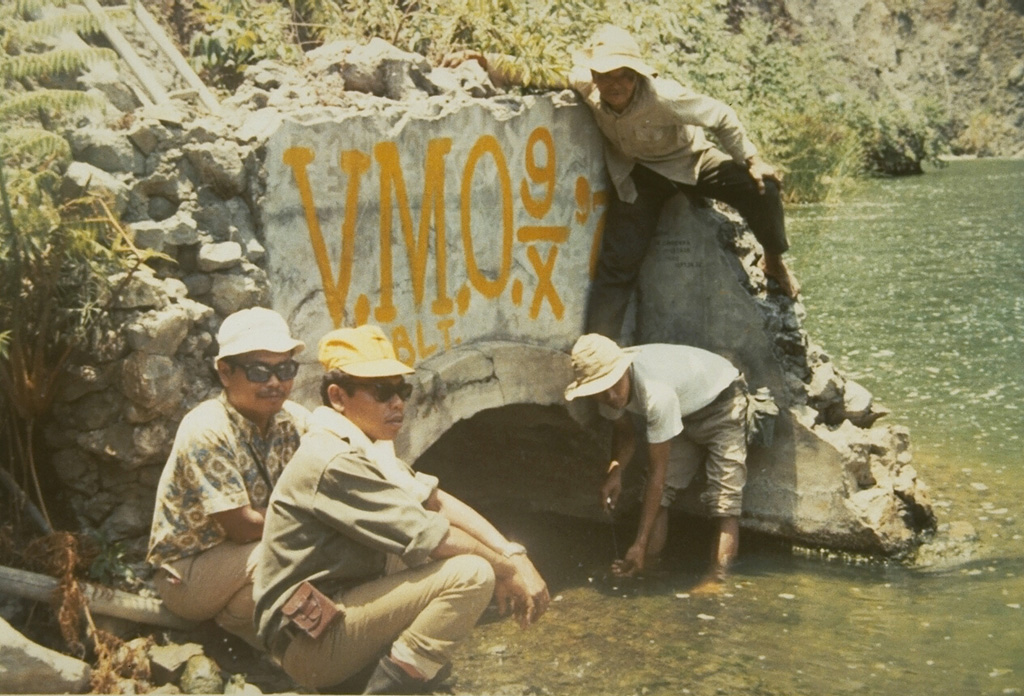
x=361, y=352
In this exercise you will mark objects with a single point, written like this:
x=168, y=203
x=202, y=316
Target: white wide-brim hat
x=598, y=363
x=612, y=48
x=256, y=328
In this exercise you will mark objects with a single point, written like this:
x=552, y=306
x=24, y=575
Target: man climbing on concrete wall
x=655, y=147
x=694, y=406
x=227, y=457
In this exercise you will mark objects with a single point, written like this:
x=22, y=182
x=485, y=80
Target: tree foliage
x=799, y=100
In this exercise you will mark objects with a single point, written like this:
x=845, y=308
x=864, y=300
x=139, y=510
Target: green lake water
x=915, y=287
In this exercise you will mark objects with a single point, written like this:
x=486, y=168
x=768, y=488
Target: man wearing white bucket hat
x=655, y=147
x=694, y=405
x=227, y=456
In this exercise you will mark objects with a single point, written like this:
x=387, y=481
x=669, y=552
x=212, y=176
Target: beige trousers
x=423, y=613
x=215, y=584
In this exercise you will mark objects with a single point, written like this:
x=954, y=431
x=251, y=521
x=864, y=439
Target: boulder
x=28, y=668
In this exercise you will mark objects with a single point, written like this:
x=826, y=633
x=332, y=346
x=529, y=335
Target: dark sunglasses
x=259, y=372
x=383, y=391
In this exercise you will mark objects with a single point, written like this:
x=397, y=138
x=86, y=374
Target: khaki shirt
x=663, y=129
x=342, y=505
x=220, y=461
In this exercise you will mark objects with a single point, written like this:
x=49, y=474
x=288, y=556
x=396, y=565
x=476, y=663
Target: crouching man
x=693, y=403
x=227, y=456
x=365, y=561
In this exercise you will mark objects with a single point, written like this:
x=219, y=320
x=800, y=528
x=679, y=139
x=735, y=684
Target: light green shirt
x=342, y=505
x=663, y=129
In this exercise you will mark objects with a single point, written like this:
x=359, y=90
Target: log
x=102, y=600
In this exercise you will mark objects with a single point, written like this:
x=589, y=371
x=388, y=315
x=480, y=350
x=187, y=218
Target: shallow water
x=916, y=288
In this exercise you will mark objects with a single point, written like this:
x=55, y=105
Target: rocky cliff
x=966, y=54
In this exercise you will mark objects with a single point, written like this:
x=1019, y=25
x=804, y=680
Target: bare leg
x=722, y=555
x=774, y=267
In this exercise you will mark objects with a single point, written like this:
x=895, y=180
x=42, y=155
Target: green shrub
x=239, y=33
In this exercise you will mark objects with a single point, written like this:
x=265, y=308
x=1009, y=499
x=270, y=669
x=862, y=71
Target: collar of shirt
x=334, y=422
x=246, y=426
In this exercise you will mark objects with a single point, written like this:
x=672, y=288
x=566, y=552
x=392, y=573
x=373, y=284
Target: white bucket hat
x=612, y=48
x=257, y=328
x=598, y=363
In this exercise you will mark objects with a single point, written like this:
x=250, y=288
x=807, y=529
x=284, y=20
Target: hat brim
x=596, y=386
x=606, y=64
x=282, y=345
x=385, y=367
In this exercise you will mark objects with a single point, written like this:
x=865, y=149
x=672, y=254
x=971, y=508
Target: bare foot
x=709, y=585
x=775, y=268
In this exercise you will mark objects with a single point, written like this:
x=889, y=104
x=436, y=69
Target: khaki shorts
x=715, y=438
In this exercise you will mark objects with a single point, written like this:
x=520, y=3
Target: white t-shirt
x=669, y=382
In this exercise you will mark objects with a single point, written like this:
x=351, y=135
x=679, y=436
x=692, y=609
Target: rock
x=105, y=78
x=111, y=151
x=81, y=177
x=80, y=380
x=159, y=331
x=220, y=256
x=28, y=668
x=129, y=520
x=142, y=291
x=234, y=291
x=111, y=443
x=826, y=388
x=152, y=440
x=201, y=676
x=168, y=661
x=148, y=135
x=468, y=78
x=383, y=70
x=237, y=685
x=77, y=470
x=220, y=165
x=152, y=381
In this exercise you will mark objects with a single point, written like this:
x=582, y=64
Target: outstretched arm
x=635, y=558
x=623, y=448
x=502, y=70
x=463, y=517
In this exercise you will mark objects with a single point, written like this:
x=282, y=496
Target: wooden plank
x=165, y=44
x=125, y=50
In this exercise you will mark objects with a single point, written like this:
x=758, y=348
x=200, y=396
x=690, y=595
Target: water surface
x=916, y=288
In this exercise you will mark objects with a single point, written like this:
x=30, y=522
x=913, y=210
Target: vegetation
x=801, y=103
x=56, y=252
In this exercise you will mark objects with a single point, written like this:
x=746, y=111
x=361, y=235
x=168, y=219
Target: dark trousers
x=630, y=227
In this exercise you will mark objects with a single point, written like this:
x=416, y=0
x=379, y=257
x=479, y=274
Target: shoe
x=389, y=678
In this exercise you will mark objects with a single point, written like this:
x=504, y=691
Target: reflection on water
x=916, y=287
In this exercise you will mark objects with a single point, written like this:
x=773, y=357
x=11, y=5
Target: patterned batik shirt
x=219, y=462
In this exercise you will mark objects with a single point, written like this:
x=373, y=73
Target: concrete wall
x=445, y=228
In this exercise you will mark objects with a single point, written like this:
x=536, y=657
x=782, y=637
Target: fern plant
x=55, y=254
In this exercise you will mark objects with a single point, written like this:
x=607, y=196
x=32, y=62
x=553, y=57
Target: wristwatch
x=513, y=548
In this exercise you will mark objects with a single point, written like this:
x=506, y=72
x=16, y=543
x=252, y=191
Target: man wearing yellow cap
x=365, y=562
x=693, y=402
x=226, y=458
x=655, y=147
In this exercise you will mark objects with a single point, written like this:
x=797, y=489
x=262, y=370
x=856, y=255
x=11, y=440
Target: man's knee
x=473, y=572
